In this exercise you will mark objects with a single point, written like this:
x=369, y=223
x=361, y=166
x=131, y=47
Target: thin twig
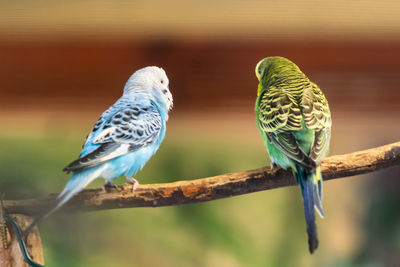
x=206, y=189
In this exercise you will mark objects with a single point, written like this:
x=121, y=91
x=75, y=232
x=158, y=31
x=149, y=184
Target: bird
x=294, y=120
x=123, y=139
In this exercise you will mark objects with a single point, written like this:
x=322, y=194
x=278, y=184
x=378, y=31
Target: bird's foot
x=133, y=182
x=108, y=185
x=273, y=167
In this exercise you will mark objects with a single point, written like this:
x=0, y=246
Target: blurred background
x=63, y=63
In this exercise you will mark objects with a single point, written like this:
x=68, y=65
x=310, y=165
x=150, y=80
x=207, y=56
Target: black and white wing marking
x=317, y=116
x=128, y=129
x=286, y=142
x=279, y=115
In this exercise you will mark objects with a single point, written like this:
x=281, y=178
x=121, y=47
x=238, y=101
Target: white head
x=151, y=81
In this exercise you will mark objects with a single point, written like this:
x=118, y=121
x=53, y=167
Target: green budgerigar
x=294, y=120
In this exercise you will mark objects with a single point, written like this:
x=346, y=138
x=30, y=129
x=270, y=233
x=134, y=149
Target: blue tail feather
x=318, y=192
x=76, y=183
x=311, y=196
x=308, y=196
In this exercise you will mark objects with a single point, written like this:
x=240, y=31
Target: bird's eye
x=165, y=91
x=162, y=81
x=259, y=72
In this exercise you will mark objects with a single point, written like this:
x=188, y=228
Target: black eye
x=259, y=72
x=162, y=81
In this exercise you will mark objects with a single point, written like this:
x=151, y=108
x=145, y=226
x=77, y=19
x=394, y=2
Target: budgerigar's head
x=272, y=66
x=152, y=81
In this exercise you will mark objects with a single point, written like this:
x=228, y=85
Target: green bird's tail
x=311, y=190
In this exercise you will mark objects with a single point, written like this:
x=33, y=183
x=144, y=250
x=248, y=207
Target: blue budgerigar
x=125, y=136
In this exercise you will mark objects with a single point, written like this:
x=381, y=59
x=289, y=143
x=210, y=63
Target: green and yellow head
x=273, y=66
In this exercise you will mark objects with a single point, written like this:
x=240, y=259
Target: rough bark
x=211, y=188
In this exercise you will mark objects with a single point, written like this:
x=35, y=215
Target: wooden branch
x=206, y=189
